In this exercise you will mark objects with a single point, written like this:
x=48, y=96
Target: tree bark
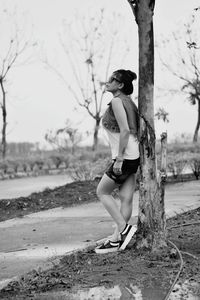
x=195, y=137
x=151, y=217
x=163, y=174
x=96, y=132
x=4, y=116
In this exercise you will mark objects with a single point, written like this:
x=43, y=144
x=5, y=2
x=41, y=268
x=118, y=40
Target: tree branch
x=134, y=7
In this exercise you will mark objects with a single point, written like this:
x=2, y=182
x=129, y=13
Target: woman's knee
x=105, y=187
x=101, y=191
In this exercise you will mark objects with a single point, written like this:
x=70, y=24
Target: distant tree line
x=21, y=148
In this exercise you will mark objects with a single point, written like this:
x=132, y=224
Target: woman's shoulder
x=116, y=101
x=127, y=101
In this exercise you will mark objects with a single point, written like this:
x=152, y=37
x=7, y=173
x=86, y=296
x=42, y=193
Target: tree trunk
x=195, y=137
x=163, y=173
x=151, y=218
x=4, y=115
x=96, y=132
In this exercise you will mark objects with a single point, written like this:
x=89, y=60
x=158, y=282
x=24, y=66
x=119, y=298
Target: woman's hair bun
x=131, y=74
x=126, y=77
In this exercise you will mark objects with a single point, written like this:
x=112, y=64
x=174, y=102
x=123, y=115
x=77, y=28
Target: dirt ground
x=85, y=269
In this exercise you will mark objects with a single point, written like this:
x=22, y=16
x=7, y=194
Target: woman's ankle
x=122, y=227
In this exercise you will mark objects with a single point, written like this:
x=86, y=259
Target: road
x=36, y=238
x=22, y=187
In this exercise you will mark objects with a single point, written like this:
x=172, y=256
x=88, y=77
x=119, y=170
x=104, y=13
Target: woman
x=121, y=123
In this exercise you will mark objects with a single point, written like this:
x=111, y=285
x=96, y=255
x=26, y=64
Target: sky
x=38, y=101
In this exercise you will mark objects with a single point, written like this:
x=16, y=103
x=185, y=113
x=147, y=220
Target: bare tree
x=14, y=47
x=151, y=217
x=184, y=64
x=91, y=46
x=65, y=138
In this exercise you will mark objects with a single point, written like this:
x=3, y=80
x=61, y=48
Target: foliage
x=87, y=164
x=176, y=166
x=161, y=114
x=88, y=154
x=64, y=138
x=58, y=159
x=181, y=157
x=39, y=162
x=194, y=163
x=181, y=144
x=3, y=166
x=20, y=149
x=88, y=170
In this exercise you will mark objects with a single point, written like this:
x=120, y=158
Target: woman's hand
x=117, y=167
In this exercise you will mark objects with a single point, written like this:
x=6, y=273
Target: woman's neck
x=116, y=94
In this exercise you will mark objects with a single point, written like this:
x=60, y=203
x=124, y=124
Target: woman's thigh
x=106, y=186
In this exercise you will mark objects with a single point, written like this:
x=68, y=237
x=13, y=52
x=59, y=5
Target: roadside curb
x=53, y=261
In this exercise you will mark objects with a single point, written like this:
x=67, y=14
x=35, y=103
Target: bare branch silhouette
x=184, y=64
x=13, y=54
x=90, y=47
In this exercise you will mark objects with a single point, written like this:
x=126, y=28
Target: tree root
x=180, y=256
x=186, y=224
x=179, y=272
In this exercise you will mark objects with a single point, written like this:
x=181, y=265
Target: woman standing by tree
x=121, y=123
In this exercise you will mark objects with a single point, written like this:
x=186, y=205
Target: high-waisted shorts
x=129, y=167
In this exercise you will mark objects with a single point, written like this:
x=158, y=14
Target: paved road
x=23, y=187
x=37, y=238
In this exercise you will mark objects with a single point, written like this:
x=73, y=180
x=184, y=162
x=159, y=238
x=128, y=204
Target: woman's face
x=113, y=84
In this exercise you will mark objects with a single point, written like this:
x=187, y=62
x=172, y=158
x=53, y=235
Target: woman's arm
x=121, y=118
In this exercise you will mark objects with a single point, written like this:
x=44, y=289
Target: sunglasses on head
x=113, y=78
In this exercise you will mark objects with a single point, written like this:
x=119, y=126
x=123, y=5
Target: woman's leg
x=104, y=190
x=126, y=196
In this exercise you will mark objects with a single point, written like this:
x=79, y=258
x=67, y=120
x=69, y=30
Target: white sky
x=38, y=101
